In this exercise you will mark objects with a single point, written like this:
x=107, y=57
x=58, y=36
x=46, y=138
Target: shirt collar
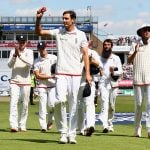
x=72, y=32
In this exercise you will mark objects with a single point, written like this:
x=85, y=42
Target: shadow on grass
x=4, y=130
x=30, y=130
x=33, y=140
x=99, y=133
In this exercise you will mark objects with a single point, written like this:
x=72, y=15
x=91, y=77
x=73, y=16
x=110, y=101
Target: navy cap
x=87, y=90
x=41, y=45
x=21, y=38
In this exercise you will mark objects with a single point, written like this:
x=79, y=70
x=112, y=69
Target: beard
x=106, y=53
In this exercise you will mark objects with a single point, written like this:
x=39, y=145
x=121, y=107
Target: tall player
x=71, y=44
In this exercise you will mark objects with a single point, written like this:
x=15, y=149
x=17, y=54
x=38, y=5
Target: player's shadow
x=38, y=140
x=4, y=130
x=99, y=133
x=33, y=140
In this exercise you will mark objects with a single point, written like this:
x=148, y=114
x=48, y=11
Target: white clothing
x=68, y=71
x=141, y=81
x=20, y=87
x=108, y=91
x=44, y=66
x=67, y=86
x=46, y=96
x=21, y=66
x=45, y=87
x=69, y=46
x=141, y=72
x=139, y=104
x=86, y=104
x=112, y=61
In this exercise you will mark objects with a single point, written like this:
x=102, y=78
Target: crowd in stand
x=127, y=71
x=125, y=40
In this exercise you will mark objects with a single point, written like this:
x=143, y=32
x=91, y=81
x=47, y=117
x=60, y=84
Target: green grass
x=33, y=139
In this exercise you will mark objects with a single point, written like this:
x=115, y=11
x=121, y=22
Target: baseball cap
x=41, y=45
x=21, y=38
x=87, y=90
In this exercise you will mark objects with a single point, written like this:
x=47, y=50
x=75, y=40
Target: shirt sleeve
x=119, y=66
x=54, y=32
x=84, y=42
x=36, y=65
x=11, y=60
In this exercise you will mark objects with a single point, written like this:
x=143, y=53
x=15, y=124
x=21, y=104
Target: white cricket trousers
x=108, y=99
x=139, y=103
x=86, y=109
x=19, y=92
x=67, y=86
x=112, y=101
x=46, y=96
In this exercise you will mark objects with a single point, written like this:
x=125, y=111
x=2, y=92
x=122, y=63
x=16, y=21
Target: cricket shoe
x=138, y=132
x=110, y=129
x=22, y=129
x=43, y=130
x=72, y=140
x=89, y=131
x=63, y=139
x=105, y=130
x=13, y=130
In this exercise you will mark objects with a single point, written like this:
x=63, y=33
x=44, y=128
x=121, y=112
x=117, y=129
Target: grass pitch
x=121, y=139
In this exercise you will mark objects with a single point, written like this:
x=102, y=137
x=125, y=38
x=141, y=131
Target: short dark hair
x=71, y=12
x=109, y=41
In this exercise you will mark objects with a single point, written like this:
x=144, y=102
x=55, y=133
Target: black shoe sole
x=90, y=131
x=105, y=130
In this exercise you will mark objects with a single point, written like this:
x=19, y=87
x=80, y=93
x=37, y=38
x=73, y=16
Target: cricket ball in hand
x=43, y=9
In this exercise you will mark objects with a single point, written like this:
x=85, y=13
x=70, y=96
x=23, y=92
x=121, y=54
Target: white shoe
x=22, y=129
x=82, y=133
x=72, y=140
x=63, y=139
x=110, y=128
x=138, y=132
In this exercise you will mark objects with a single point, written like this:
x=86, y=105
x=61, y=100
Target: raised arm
x=38, y=28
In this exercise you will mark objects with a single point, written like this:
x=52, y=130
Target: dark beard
x=106, y=53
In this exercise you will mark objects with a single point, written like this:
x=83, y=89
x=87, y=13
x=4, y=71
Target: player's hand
x=89, y=79
x=111, y=69
x=17, y=52
x=40, y=12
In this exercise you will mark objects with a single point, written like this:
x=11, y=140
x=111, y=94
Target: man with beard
x=108, y=84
